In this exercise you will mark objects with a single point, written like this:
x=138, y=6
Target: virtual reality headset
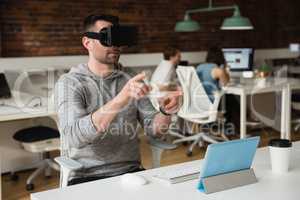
x=116, y=35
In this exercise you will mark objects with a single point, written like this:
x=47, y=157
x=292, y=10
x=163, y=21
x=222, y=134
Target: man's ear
x=86, y=42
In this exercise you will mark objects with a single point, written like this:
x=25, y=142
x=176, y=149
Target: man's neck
x=172, y=62
x=99, y=69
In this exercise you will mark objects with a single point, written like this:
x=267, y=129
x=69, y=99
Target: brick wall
x=52, y=27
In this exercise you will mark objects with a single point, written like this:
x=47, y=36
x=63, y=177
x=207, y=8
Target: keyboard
x=179, y=174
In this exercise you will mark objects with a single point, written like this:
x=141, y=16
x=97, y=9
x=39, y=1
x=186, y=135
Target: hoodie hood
x=82, y=69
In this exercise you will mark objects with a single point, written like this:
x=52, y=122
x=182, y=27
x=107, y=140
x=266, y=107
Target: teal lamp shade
x=187, y=25
x=236, y=22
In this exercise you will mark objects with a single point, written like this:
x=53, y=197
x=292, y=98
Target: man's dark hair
x=216, y=56
x=90, y=21
x=170, y=52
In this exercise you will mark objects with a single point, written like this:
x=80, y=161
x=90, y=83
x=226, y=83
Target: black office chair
x=42, y=140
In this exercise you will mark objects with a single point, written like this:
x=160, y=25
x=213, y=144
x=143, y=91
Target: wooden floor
x=16, y=190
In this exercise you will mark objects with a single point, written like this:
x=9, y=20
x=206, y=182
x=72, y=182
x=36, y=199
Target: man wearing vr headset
x=100, y=107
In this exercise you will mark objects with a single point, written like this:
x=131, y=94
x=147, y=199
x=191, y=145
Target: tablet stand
x=227, y=181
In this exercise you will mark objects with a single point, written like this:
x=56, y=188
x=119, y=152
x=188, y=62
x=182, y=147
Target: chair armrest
x=161, y=144
x=68, y=163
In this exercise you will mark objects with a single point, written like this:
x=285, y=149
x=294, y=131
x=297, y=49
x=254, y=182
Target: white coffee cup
x=280, y=152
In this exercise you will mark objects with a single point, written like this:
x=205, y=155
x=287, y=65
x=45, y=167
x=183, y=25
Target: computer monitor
x=239, y=59
x=4, y=88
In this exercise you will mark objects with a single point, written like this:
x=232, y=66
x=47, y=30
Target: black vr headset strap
x=93, y=35
x=104, y=36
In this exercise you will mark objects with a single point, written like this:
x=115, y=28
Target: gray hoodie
x=77, y=95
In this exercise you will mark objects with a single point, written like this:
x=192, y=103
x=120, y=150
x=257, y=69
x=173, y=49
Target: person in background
x=164, y=79
x=165, y=73
x=213, y=72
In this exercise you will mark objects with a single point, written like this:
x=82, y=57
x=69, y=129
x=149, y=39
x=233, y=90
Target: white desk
x=250, y=86
x=269, y=186
x=20, y=106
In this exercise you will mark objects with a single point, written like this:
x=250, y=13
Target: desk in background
x=251, y=86
x=25, y=106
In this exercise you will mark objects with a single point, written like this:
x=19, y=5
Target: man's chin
x=110, y=60
x=114, y=58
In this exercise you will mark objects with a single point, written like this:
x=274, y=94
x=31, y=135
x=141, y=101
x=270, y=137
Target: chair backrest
x=282, y=72
x=196, y=103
